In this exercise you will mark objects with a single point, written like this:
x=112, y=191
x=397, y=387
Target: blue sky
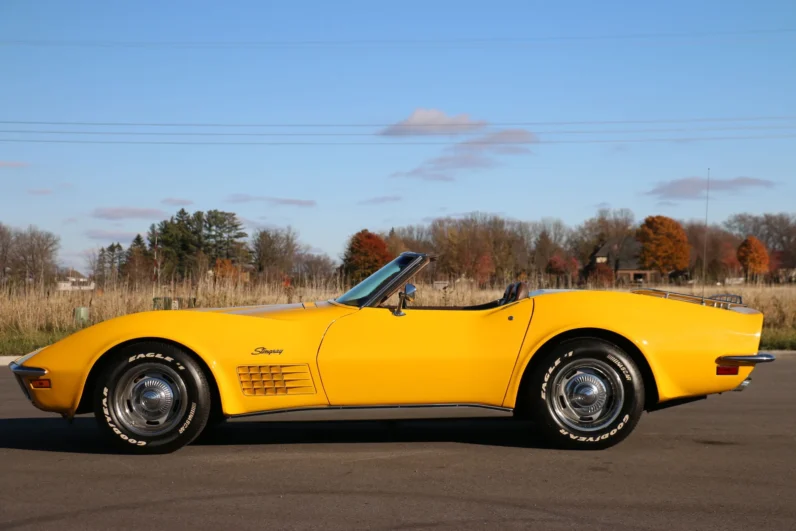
x=455, y=76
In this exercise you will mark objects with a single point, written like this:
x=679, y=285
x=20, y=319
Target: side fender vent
x=276, y=380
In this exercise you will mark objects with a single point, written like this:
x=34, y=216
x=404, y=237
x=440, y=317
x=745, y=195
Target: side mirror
x=407, y=295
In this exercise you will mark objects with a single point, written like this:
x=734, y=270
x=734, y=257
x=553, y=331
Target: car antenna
x=705, y=243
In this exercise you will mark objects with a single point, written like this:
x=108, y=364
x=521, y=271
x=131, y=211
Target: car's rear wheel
x=152, y=398
x=585, y=394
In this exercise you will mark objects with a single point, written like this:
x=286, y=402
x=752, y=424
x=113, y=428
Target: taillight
x=726, y=371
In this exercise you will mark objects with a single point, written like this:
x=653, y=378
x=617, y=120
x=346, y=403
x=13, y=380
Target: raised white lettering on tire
x=190, y=418
x=621, y=367
x=113, y=426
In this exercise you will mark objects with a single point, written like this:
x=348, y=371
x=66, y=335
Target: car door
x=425, y=356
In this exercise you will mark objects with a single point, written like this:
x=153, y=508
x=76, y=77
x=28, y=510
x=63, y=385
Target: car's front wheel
x=152, y=398
x=585, y=394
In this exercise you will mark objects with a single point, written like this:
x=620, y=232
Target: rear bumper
x=745, y=361
x=743, y=385
x=760, y=357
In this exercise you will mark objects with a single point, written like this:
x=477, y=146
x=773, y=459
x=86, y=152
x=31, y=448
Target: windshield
x=362, y=291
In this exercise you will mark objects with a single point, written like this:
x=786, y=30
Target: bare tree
x=776, y=231
x=274, y=251
x=608, y=224
x=34, y=254
x=6, y=239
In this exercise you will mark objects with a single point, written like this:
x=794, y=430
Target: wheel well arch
x=650, y=385
x=85, y=405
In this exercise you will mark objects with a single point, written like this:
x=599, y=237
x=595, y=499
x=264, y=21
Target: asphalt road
x=728, y=462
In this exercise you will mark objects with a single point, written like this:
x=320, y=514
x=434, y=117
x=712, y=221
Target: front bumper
x=23, y=373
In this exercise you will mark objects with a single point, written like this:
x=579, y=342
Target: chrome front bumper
x=21, y=372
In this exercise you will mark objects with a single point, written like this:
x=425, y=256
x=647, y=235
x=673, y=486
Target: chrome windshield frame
x=420, y=261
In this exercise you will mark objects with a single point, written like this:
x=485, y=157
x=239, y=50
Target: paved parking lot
x=728, y=462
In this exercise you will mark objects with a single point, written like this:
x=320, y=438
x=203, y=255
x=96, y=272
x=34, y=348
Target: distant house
x=74, y=281
x=622, y=255
x=780, y=274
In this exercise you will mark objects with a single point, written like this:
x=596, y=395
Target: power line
x=559, y=132
x=591, y=141
x=404, y=125
x=479, y=41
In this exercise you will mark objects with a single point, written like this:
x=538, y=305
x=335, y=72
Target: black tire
x=586, y=394
x=152, y=398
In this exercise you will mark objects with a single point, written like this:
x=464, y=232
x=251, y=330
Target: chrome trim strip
x=22, y=386
x=21, y=370
x=407, y=411
x=760, y=357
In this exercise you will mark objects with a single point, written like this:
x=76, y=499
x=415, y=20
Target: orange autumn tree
x=753, y=256
x=365, y=254
x=664, y=245
x=225, y=269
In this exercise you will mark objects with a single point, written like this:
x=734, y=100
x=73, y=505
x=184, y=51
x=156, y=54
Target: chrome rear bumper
x=760, y=357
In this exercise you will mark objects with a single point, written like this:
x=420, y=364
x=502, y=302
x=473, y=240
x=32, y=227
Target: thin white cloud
x=477, y=153
x=696, y=187
x=382, y=199
x=506, y=142
x=176, y=201
x=110, y=235
x=423, y=122
x=12, y=164
x=40, y=191
x=128, y=213
x=460, y=215
x=284, y=201
x=254, y=224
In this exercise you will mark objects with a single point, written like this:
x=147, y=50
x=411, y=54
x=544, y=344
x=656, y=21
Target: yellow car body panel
x=369, y=356
x=224, y=339
x=426, y=356
x=680, y=340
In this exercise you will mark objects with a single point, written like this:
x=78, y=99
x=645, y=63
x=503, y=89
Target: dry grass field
x=36, y=317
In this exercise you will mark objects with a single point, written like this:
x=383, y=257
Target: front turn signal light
x=40, y=384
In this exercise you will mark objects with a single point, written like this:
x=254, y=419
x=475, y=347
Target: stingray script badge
x=268, y=351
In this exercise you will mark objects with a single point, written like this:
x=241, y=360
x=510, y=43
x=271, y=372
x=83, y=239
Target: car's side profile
x=584, y=365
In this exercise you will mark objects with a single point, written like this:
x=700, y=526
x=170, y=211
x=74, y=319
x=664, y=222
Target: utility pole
x=705, y=251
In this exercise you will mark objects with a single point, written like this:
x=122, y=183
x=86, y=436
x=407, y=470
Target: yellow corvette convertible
x=583, y=365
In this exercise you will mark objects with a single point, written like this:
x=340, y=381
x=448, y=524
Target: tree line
x=490, y=248
x=209, y=245
x=486, y=248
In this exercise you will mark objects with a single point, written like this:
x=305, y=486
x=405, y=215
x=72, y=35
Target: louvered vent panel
x=275, y=380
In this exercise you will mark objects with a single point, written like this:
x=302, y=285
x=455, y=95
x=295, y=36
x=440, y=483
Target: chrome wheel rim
x=150, y=400
x=587, y=395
